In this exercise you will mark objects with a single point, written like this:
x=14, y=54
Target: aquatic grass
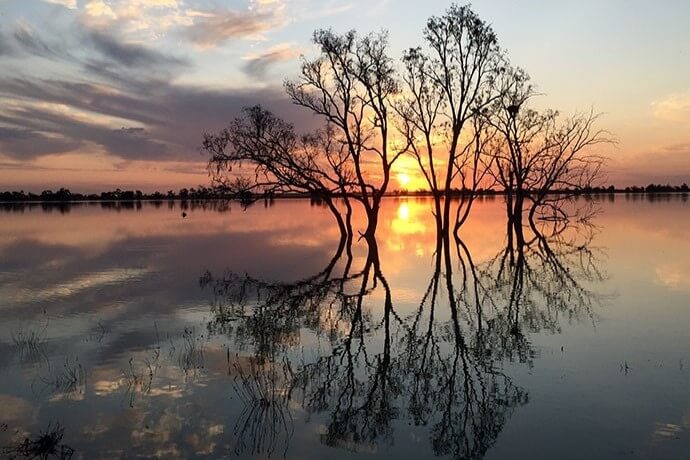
x=265, y=418
x=28, y=342
x=191, y=355
x=48, y=444
x=139, y=379
x=71, y=379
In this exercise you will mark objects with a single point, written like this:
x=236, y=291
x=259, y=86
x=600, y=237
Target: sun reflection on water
x=407, y=228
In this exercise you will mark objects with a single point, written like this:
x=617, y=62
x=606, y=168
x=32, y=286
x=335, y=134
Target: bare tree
x=351, y=85
x=259, y=152
x=463, y=113
x=539, y=154
x=450, y=82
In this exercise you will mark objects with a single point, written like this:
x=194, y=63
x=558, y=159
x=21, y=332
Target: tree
x=541, y=152
x=450, y=82
x=351, y=85
x=279, y=160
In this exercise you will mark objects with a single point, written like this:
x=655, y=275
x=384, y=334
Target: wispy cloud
x=61, y=132
x=112, y=85
x=6, y=48
x=674, y=107
x=130, y=54
x=137, y=119
x=682, y=147
x=213, y=28
x=23, y=143
x=71, y=4
x=258, y=64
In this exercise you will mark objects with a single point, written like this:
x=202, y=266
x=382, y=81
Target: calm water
x=132, y=332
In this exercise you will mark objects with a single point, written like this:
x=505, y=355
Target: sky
x=99, y=94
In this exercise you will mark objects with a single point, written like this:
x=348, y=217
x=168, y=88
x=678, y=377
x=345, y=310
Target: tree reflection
x=337, y=347
x=542, y=278
x=440, y=366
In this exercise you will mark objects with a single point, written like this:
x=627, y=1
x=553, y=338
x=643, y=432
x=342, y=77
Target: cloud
x=664, y=164
x=6, y=48
x=682, y=147
x=98, y=8
x=675, y=107
x=130, y=55
x=102, y=50
x=122, y=97
x=136, y=19
x=257, y=65
x=169, y=119
x=62, y=132
x=71, y=4
x=27, y=143
x=213, y=28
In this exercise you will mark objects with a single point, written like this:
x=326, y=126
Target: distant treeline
x=64, y=194
x=207, y=193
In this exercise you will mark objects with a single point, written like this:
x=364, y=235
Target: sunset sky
x=98, y=94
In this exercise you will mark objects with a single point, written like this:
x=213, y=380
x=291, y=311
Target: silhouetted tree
x=450, y=82
x=351, y=85
x=540, y=153
x=280, y=161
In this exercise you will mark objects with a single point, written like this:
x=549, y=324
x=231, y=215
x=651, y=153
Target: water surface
x=130, y=331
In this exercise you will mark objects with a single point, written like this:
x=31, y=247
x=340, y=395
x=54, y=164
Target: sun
x=404, y=180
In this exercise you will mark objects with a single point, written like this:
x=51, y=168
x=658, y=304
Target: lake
x=130, y=331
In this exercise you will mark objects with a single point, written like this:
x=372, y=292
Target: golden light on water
x=409, y=219
x=404, y=212
x=408, y=229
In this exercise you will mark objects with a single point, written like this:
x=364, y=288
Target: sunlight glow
x=404, y=212
x=403, y=180
x=408, y=221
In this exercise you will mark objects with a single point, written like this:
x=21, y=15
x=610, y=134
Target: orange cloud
x=674, y=107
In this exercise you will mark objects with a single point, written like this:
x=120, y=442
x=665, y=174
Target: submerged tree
x=277, y=159
x=450, y=84
x=351, y=85
x=540, y=152
x=459, y=108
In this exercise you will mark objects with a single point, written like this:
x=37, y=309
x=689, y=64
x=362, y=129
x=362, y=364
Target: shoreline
x=259, y=198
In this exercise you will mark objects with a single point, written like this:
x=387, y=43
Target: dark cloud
x=23, y=143
x=174, y=116
x=93, y=97
x=215, y=27
x=257, y=66
x=103, y=51
x=70, y=133
x=130, y=55
x=131, y=87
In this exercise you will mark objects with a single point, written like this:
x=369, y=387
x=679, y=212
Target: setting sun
x=403, y=180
